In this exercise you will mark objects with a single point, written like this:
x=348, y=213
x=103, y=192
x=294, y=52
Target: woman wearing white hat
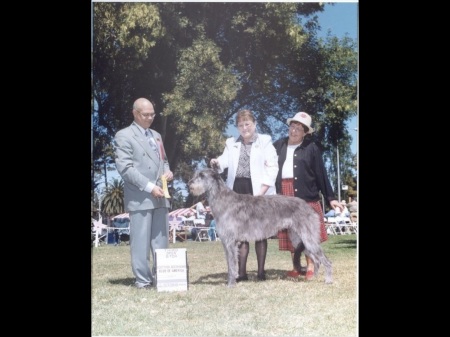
x=302, y=174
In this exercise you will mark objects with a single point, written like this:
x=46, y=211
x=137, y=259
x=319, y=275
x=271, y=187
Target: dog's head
x=203, y=181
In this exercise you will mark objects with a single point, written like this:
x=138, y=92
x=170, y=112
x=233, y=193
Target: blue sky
x=340, y=18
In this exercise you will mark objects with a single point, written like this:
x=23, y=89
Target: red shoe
x=309, y=275
x=293, y=273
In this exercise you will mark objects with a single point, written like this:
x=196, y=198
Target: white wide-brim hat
x=303, y=118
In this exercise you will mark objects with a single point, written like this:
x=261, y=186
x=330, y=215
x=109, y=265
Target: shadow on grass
x=213, y=279
x=221, y=278
x=129, y=281
x=351, y=243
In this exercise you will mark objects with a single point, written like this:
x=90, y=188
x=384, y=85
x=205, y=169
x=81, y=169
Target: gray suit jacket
x=137, y=163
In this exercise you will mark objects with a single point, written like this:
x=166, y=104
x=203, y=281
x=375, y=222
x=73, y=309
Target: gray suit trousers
x=148, y=231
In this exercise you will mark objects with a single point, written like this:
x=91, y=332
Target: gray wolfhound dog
x=244, y=217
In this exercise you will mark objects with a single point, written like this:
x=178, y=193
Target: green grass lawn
x=276, y=307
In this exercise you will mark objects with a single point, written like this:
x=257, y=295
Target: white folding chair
x=353, y=225
x=330, y=225
x=215, y=234
x=202, y=234
x=345, y=225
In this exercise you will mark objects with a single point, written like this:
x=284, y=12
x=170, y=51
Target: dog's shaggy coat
x=244, y=217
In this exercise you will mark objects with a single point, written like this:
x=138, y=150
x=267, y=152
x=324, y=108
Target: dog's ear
x=218, y=177
x=215, y=167
x=205, y=173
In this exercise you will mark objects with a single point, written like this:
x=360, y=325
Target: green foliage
x=203, y=87
x=113, y=200
x=177, y=198
x=202, y=62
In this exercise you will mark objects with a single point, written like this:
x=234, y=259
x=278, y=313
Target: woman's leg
x=301, y=270
x=309, y=268
x=242, y=261
x=261, y=252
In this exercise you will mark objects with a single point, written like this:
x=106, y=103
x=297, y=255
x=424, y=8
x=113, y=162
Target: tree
x=113, y=201
x=123, y=35
x=202, y=62
x=177, y=198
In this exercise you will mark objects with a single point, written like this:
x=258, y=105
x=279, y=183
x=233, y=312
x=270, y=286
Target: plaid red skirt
x=284, y=243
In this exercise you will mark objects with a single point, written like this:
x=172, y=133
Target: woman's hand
x=214, y=163
x=335, y=203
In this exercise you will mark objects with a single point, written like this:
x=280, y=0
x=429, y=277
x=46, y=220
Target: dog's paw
x=231, y=284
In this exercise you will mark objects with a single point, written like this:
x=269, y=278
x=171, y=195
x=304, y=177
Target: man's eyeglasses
x=148, y=115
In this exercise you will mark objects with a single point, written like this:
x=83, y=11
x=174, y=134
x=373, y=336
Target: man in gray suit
x=141, y=162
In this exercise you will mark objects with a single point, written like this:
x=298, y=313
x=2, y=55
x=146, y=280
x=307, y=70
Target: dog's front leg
x=230, y=248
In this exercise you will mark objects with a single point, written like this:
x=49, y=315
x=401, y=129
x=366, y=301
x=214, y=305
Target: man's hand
x=168, y=175
x=158, y=192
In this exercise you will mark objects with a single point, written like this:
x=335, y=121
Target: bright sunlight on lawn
x=276, y=307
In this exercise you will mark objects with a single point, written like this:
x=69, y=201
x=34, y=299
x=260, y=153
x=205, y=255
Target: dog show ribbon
x=164, y=186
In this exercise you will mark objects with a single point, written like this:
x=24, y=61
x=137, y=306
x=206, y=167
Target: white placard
x=171, y=269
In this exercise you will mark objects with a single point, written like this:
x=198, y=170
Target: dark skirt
x=284, y=243
x=243, y=186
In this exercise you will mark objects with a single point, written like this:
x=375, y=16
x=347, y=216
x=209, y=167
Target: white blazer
x=263, y=162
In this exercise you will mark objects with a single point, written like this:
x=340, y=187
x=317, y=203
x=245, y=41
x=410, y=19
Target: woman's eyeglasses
x=296, y=128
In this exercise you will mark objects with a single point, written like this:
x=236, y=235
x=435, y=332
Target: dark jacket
x=310, y=175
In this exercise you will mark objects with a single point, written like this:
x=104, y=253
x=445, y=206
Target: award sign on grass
x=171, y=269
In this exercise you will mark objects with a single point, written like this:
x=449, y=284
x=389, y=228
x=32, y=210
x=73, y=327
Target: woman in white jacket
x=252, y=164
